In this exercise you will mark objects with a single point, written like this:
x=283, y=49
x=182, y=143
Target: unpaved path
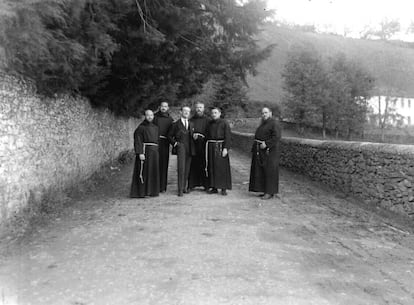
x=310, y=247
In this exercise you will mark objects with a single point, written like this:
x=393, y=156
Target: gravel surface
x=309, y=247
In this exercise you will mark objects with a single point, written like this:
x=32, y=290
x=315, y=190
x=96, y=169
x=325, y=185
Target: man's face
x=266, y=113
x=149, y=115
x=199, y=109
x=185, y=112
x=164, y=107
x=215, y=114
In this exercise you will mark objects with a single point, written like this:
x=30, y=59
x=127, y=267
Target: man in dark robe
x=164, y=121
x=181, y=138
x=146, y=179
x=198, y=176
x=264, y=171
x=217, y=157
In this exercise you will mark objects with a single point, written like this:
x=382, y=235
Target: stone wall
x=51, y=143
x=379, y=173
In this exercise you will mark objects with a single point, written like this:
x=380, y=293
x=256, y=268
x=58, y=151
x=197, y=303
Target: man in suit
x=181, y=138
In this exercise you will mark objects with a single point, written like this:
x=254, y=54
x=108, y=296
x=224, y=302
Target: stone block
x=407, y=183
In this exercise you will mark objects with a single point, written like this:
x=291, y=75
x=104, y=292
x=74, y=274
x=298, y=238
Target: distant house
x=400, y=110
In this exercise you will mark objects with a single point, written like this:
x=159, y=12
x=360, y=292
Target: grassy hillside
x=390, y=63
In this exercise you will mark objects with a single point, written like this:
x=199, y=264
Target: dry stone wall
x=51, y=143
x=379, y=173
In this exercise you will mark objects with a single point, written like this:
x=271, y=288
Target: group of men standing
x=200, y=143
x=202, y=147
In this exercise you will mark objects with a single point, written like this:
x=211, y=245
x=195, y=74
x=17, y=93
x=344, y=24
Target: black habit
x=218, y=167
x=264, y=171
x=198, y=176
x=146, y=179
x=164, y=122
x=181, y=138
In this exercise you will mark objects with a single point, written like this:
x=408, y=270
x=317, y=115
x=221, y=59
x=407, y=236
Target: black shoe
x=224, y=192
x=261, y=195
x=212, y=191
x=267, y=197
x=180, y=194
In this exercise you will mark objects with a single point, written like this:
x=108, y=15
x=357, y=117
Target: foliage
x=127, y=55
x=305, y=83
x=350, y=87
x=60, y=45
x=331, y=93
x=385, y=115
x=254, y=109
x=230, y=93
x=385, y=30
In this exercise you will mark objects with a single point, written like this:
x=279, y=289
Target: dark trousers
x=164, y=149
x=183, y=167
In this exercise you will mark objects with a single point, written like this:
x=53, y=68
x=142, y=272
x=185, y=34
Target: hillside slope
x=392, y=65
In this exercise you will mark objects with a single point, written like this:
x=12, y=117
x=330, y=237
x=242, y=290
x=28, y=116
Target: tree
x=350, y=87
x=230, y=93
x=385, y=30
x=60, y=45
x=305, y=84
x=385, y=115
x=388, y=28
x=130, y=54
x=330, y=93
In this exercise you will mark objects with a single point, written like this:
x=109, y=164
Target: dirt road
x=309, y=247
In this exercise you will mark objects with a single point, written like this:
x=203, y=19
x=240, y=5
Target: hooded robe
x=264, y=170
x=218, y=167
x=164, y=122
x=146, y=176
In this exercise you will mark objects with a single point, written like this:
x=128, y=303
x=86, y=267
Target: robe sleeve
x=171, y=134
x=275, y=135
x=227, y=136
x=170, y=126
x=139, y=141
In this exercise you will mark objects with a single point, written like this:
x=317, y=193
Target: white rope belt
x=163, y=137
x=142, y=161
x=207, y=142
x=199, y=134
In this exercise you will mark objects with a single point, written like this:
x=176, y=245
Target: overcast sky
x=352, y=14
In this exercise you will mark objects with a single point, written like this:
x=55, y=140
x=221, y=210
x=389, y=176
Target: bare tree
x=387, y=115
x=385, y=30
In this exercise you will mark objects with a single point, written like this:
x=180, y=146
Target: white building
x=399, y=107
